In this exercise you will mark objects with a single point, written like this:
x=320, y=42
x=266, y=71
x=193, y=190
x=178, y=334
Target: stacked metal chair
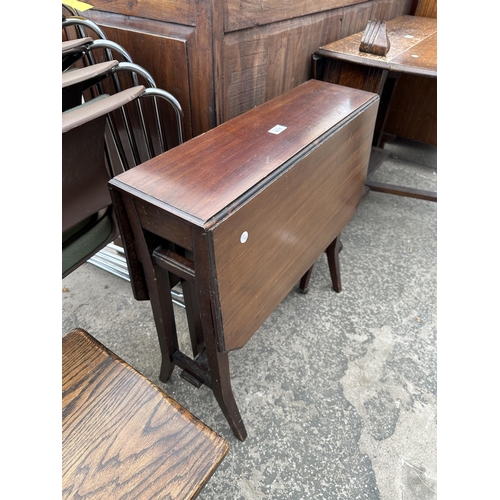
x=107, y=127
x=94, y=67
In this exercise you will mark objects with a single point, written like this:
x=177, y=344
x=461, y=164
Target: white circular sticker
x=244, y=236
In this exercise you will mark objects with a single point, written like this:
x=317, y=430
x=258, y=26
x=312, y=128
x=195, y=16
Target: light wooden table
x=122, y=437
x=413, y=51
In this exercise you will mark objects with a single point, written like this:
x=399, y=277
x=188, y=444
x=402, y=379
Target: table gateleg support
x=159, y=290
x=209, y=365
x=163, y=313
x=193, y=317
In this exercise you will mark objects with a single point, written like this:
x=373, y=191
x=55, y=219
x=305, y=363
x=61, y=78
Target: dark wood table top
x=203, y=176
x=122, y=436
x=293, y=192
x=413, y=47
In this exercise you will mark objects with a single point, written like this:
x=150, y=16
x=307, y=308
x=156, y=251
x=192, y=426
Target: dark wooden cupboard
x=221, y=58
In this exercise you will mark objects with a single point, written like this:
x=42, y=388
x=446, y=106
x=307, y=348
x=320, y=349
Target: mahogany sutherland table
x=240, y=213
x=413, y=51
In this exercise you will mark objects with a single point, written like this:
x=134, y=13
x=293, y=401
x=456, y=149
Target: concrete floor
x=337, y=391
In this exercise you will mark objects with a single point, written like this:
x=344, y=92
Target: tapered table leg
x=332, y=254
x=221, y=386
x=304, y=281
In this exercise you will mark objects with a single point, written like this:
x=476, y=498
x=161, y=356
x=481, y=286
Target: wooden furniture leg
x=304, y=281
x=163, y=313
x=218, y=365
x=160, y=296
x=218, y=361
x=332, y=254
x=209, y=365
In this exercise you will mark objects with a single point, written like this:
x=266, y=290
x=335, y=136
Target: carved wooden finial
x=375, y=39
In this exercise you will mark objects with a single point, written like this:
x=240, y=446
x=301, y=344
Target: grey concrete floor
x=337, y=391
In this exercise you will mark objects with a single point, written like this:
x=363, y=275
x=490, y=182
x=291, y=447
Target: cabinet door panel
x=174, y=11
x=165, y=59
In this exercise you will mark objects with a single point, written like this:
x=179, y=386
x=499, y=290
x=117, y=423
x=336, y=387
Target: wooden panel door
x=174, y=44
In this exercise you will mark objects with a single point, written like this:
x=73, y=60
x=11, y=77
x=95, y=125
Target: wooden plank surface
x=175, y=11
x=241, y=14
x=288, y=225
x=419, y=59
x=426, y=8
x=201, y=177
x=406, y=34
x=122, y=436
x=259, y=63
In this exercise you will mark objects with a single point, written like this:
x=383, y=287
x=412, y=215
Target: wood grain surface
x=201, y=177
x=242, y=14
x=174, y=11
x=288, y=224
x=413, y=47
x=413, y=112
x=426, y=8
x=293, y=192
x=124, y=438
x=259, y=64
